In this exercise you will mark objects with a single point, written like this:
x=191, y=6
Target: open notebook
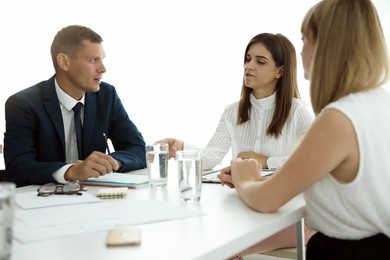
x=130, y=179
x=210, y=176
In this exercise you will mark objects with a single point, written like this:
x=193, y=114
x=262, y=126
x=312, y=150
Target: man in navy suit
x=40, y=142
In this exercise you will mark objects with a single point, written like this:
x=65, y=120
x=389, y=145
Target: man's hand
x=95, y=165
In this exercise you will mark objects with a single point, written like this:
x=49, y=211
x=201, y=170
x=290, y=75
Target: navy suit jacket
x=34, y=141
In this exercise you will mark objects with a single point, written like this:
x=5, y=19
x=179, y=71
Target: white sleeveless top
x=360, y=208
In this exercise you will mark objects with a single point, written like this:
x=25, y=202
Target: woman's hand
x=174, y=145
x=225, y=177
x=260, y=158
x=242, y=170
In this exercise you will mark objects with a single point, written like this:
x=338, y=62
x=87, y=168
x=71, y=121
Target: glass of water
x=7, y=191
x=157, y=163
x=189, y=174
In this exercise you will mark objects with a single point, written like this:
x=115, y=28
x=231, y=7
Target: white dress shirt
x=252, y=135
x=66, y=104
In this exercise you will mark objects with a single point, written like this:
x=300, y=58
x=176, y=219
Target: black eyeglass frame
x=69, y=188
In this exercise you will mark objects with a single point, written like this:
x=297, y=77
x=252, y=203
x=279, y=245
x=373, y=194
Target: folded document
x=211, y=176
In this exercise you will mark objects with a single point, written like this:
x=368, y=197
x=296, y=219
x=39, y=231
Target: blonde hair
x=350, y=53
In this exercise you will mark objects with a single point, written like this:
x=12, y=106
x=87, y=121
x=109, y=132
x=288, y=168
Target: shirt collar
x=263, y=103
x=67, y=101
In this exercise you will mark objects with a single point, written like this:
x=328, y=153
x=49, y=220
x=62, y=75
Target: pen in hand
x=108, y=148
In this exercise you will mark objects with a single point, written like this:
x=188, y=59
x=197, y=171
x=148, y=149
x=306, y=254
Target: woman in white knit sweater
x=342, y=165
x=266, y=123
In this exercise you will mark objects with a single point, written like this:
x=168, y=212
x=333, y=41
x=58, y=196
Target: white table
x=228, y=227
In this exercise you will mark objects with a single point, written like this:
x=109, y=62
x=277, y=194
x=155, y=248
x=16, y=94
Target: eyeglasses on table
x=69, y=188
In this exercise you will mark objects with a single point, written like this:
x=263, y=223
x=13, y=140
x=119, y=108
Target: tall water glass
x=190, y=174
x=157, y=163
x=7, y=191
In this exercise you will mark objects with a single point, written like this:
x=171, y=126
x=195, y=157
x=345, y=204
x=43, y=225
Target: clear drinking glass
x=157, y=163
x=7, y=191
x=189, y=174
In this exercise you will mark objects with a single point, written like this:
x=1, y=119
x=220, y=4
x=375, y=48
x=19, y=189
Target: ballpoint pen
x=108, y=148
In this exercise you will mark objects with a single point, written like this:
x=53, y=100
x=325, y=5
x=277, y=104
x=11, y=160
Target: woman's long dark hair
x=283, y=53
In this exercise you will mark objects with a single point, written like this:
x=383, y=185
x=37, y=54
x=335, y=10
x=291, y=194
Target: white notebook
x=115, y=179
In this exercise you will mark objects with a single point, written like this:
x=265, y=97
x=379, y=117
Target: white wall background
x=176, y=64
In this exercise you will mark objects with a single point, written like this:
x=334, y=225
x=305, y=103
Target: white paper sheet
x=30, y=200
x=48, y=223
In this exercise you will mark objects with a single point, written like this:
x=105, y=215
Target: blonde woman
x=342, y=164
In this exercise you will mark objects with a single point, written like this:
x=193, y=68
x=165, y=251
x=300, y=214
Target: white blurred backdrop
x=176, y=64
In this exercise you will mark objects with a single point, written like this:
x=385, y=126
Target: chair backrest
x=2, y=171
x=2, y=175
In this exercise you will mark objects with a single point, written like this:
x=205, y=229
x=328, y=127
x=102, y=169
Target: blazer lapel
x=53, y=109
x=89, y=120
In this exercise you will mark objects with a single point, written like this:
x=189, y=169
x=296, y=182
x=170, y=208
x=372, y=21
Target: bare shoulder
x=329, y=142
x=335, y=121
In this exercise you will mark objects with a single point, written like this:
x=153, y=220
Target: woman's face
x=260, y=71
x=307, y=54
